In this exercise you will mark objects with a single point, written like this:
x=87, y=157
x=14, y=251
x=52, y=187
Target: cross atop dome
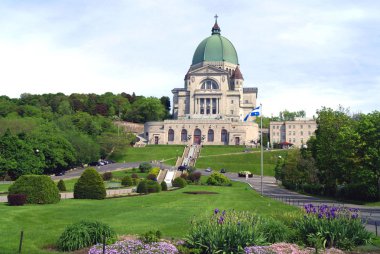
x=215, y=29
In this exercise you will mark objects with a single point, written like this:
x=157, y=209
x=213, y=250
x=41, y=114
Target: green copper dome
x=215, y=48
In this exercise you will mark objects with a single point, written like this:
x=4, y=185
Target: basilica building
x=210, y=107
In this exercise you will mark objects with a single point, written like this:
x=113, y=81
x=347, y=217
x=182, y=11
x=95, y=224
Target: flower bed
x=135, y=247
x=286, y=248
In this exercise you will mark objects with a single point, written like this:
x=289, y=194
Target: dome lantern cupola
x=215, y=29
x=215, y=48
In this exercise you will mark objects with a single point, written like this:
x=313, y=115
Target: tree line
x=50, y=133
x=341, y=160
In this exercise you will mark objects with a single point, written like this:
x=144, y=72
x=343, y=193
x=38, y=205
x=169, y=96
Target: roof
x=215, y=48
x=237, y=74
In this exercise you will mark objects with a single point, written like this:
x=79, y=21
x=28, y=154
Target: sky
x=301, y=55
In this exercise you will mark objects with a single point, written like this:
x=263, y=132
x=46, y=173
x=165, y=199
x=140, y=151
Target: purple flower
x=216, y=211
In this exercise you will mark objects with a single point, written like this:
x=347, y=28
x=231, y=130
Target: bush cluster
x=152, y=177
x=218, y=179
x=164, y=186
x=16, y=199
x=154, y=171
x=84, y=234
x=179, y=182
x=145, y=167
x=61, y=185
x=148, y=186
x=90, y=185
x=39, y=189
x=194, y=177
x=127, y=181
x=107, y=176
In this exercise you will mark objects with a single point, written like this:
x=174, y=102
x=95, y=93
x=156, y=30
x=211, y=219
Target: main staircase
x=188, y=159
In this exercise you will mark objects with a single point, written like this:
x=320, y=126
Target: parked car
x=208, y=170
x=60, y=173
x=101, y=163
x=223, y=170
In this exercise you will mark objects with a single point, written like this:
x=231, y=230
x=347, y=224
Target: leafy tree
x=147, y=109
x=17, y=157
x=61, y=185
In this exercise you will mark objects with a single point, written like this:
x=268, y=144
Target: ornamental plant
x=84, y=234
x=39, y=189
x=224, y=232
x=218, y=179
x=329, y=226
x=135, y=247
x=179, y=182
x=61, y=185
x=145, y=167
x=127, y=181
x=154, y=171
x=90, y=185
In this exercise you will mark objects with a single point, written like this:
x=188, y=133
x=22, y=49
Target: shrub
x=273, y=230
x=224, y=232
x=90, y=186
x=153, y=186
x=191, y=169
x=142, y=187
x=134, y=175
x=84, y=234
x=136, y=181
x=332, y=226
x=164, y=186
x=127, y=181
x=39, y=189
x=218, y=179
x=184, y=175
x=151, y=237
x=145, y=167
x=61, y=185
x=179, y=182
x=195, y=177
x=16, y=199
x=152, y=177
x=154, y=171
x=107, y=176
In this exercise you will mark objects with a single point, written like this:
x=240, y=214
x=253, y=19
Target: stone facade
x=212, y=104
x=295, y=132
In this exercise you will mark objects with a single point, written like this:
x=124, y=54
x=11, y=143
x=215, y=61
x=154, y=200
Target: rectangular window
x=232, y=101
x=278, y=127
x=294, y=133
x=309, y=126
x=301, y=126
x=294, y=126
x=290, y=126
x=274, y=127
x=309, y=133
x=290, y=133
x=301, y=133
x=294, y=140
x=232, y=112
x=290, y=140
x=246, y=101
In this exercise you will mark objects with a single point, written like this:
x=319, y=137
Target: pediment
x=208, y=70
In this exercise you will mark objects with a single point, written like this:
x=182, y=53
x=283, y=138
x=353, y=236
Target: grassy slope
x=216, y=158
x=169, y=212
x=168, y=153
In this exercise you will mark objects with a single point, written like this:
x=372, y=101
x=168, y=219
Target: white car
x=208, y=170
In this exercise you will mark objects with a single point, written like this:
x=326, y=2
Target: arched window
x=210, y=136
x=197, y=136
x=184, y=135
x=224, y=136
x=209, y=84
x=171, y=135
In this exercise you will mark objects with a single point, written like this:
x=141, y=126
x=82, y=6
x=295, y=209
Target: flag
x=254, y=112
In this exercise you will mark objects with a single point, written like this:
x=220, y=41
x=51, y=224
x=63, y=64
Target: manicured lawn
x=169, y=212
x=242, y=161
x=4, y=187
x=117, y=176
x=213, y=150
x=168, y=153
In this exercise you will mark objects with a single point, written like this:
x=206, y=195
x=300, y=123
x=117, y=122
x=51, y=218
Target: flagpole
x=262, y=147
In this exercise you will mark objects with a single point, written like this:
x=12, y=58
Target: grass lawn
x=213, y=150
x=239, y=161
x=4, y=187
x=116, y=177
x=169, y=212
x=168, y=153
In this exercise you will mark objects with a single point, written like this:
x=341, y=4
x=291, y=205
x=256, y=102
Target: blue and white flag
x=254, y=112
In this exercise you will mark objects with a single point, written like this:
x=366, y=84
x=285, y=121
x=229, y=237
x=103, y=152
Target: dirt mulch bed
x=200, y=192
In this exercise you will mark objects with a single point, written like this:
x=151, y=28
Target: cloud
x=301, y=55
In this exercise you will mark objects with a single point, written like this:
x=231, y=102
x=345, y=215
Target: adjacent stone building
x=295, y=133
x=210, y=107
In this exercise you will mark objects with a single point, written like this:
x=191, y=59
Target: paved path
x=271, y=189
